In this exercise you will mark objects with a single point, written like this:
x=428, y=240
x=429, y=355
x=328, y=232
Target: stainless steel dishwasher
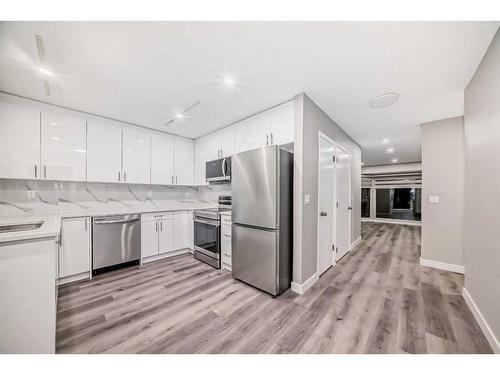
x=116, y=241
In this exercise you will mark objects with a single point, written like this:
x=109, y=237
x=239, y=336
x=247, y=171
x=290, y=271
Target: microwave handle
x=224, y=165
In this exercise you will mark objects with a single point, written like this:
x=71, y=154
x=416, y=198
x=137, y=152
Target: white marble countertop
x=52, y=218
x=50, y=228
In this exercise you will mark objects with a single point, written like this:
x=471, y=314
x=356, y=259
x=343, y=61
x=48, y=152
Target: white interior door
x=325, y=204
x=343, y=193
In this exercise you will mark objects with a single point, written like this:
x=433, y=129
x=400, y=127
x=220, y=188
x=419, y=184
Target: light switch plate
x=307, y=199
x=433, y=199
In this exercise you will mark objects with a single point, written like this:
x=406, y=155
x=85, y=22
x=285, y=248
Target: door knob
x=349, y=208
x=323, y=213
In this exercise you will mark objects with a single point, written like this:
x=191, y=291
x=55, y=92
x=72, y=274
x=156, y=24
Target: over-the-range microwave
x=218, y=170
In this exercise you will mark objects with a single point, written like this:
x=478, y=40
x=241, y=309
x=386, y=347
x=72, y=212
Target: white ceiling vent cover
x=384, y=100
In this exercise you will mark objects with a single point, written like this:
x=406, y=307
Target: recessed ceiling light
x=179, y=115
x=228, y=81
x=386, y=140
x=384, y=100
x=45, y=71
x=390, y=150
x=394, y=160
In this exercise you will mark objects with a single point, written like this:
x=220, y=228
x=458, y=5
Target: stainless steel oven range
x=207, y=232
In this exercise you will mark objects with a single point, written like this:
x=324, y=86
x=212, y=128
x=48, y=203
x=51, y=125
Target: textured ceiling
x=143, y=72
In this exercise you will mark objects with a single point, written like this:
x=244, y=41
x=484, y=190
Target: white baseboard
x=166, y=255
x=442, y=266
x=490, y=336
x=301, y=288
x=73, y=278
x=356, y=242
x=391, y=221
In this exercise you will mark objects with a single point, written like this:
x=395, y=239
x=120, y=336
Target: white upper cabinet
x=19, y=141
x=282, y=123
x=184, y=161
x=136, y=156
x=260, y=131
x=225, y=140
x=162, y=159
x=63, y=147
x=242, y=136
x=104, y=151
x=203, y=153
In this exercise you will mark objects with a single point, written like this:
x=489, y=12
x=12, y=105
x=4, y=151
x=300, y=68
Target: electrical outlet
x=434, y=199
x=149, y=194
x=31, y=194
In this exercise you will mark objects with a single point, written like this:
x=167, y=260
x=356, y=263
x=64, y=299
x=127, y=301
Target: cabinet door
x=136, y=156
x=166, y=236
x=226, y=141
x=282, y=123
x=104, y=151
x=19, y=141
x=184, y=161
x=181, y=230
x=162, y=159
x=243, y=136
x=64, y=147
x=260, y=130
x=201, y=146
x=190, y=230
x=149, y=238
x=74, y=250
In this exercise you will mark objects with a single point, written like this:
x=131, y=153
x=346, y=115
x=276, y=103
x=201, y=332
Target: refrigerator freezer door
x=254, y=257
x=254, y=188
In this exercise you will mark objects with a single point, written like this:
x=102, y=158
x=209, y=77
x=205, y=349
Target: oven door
x=207, y=237
x=218, y=170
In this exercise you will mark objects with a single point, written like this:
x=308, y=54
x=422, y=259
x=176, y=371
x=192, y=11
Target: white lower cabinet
x=226, y=242
x=166, y=235
x=165, y=232
x=74, y=248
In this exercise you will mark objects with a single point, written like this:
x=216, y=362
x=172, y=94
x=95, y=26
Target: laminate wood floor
x=377, y=299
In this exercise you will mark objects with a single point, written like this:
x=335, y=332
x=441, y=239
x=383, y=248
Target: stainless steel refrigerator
x=262, y=218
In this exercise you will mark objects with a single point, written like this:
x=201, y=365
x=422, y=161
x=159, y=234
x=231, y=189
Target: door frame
x=323, y=136
x=350, y=198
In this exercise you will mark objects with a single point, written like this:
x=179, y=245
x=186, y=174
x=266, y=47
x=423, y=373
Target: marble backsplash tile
x=18, y=196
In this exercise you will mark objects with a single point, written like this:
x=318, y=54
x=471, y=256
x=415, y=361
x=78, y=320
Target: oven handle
x=209, y=222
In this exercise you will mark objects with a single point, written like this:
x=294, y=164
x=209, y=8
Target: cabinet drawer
x=157, y=216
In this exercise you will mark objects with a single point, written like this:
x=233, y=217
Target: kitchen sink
x=6, y=228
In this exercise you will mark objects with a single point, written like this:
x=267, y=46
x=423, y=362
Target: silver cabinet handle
x=349, y=208
x=125, y=176
x=118, y=175
x=172, y=180
x=156, y=226
x=227, y=235
x=44, y=171
x=161, y=226
x=176, y=179
x=267, y=139
x=323, y=213
x=272, y=138
x=227, y=256
x=115, y=221
x=36, y=171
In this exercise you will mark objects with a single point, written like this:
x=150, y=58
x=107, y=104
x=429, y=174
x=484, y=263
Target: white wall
x=443, y=168
x=482, y=189
x=392, y=168
x=309, y=120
